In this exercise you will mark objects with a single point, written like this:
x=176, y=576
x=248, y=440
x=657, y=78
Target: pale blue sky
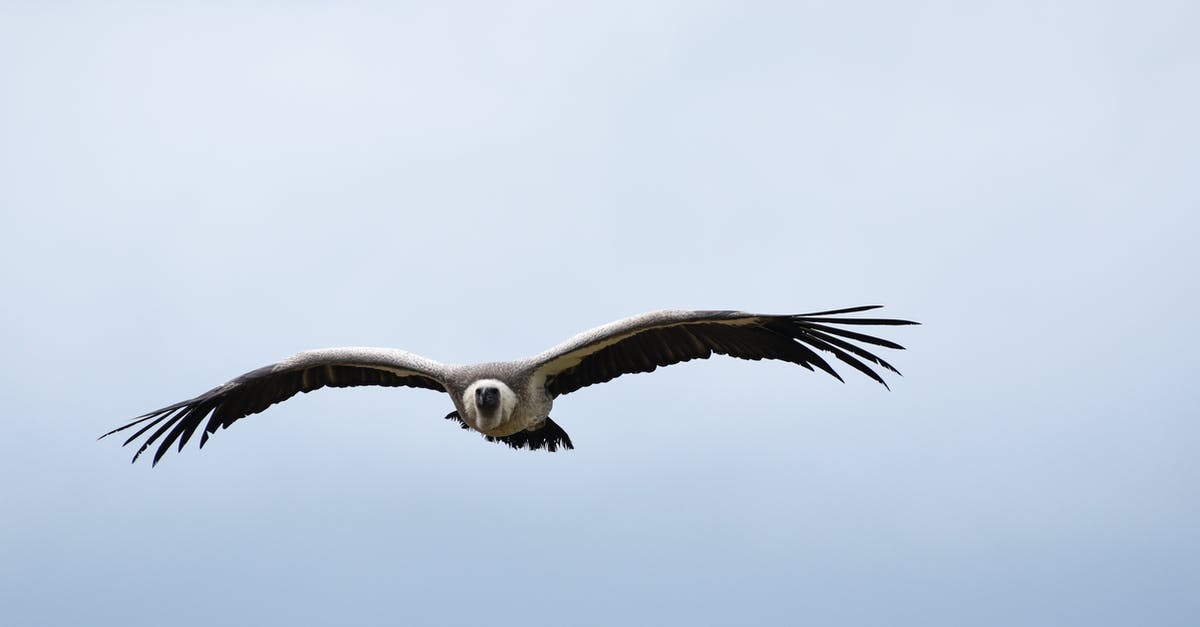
x=192, y=191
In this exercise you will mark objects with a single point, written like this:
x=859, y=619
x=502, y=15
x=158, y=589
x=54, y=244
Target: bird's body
x=511, y=401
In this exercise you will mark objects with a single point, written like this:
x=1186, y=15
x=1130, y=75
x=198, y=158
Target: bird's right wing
x=256, y=390
x=661, y=338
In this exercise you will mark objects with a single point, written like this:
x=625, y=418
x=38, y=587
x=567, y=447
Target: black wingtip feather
x=862, y=321
x=847, y=358
x=861, y=352
x=140, y=419
x=841, y=311
x=154, y=436
x=165, y=415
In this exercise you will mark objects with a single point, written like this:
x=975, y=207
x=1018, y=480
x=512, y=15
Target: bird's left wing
x=256, y=390
x=661, y=338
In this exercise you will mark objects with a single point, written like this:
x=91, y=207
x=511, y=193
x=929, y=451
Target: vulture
x=510, y=401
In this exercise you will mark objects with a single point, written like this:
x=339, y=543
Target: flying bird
x=510, y=401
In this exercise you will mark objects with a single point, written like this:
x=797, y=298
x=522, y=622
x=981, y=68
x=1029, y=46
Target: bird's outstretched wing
x=256, y=390
x=661, y=338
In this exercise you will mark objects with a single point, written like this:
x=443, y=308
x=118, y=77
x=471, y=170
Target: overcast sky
x=192, y=191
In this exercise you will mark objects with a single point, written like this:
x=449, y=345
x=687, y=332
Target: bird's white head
x=490, y=405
